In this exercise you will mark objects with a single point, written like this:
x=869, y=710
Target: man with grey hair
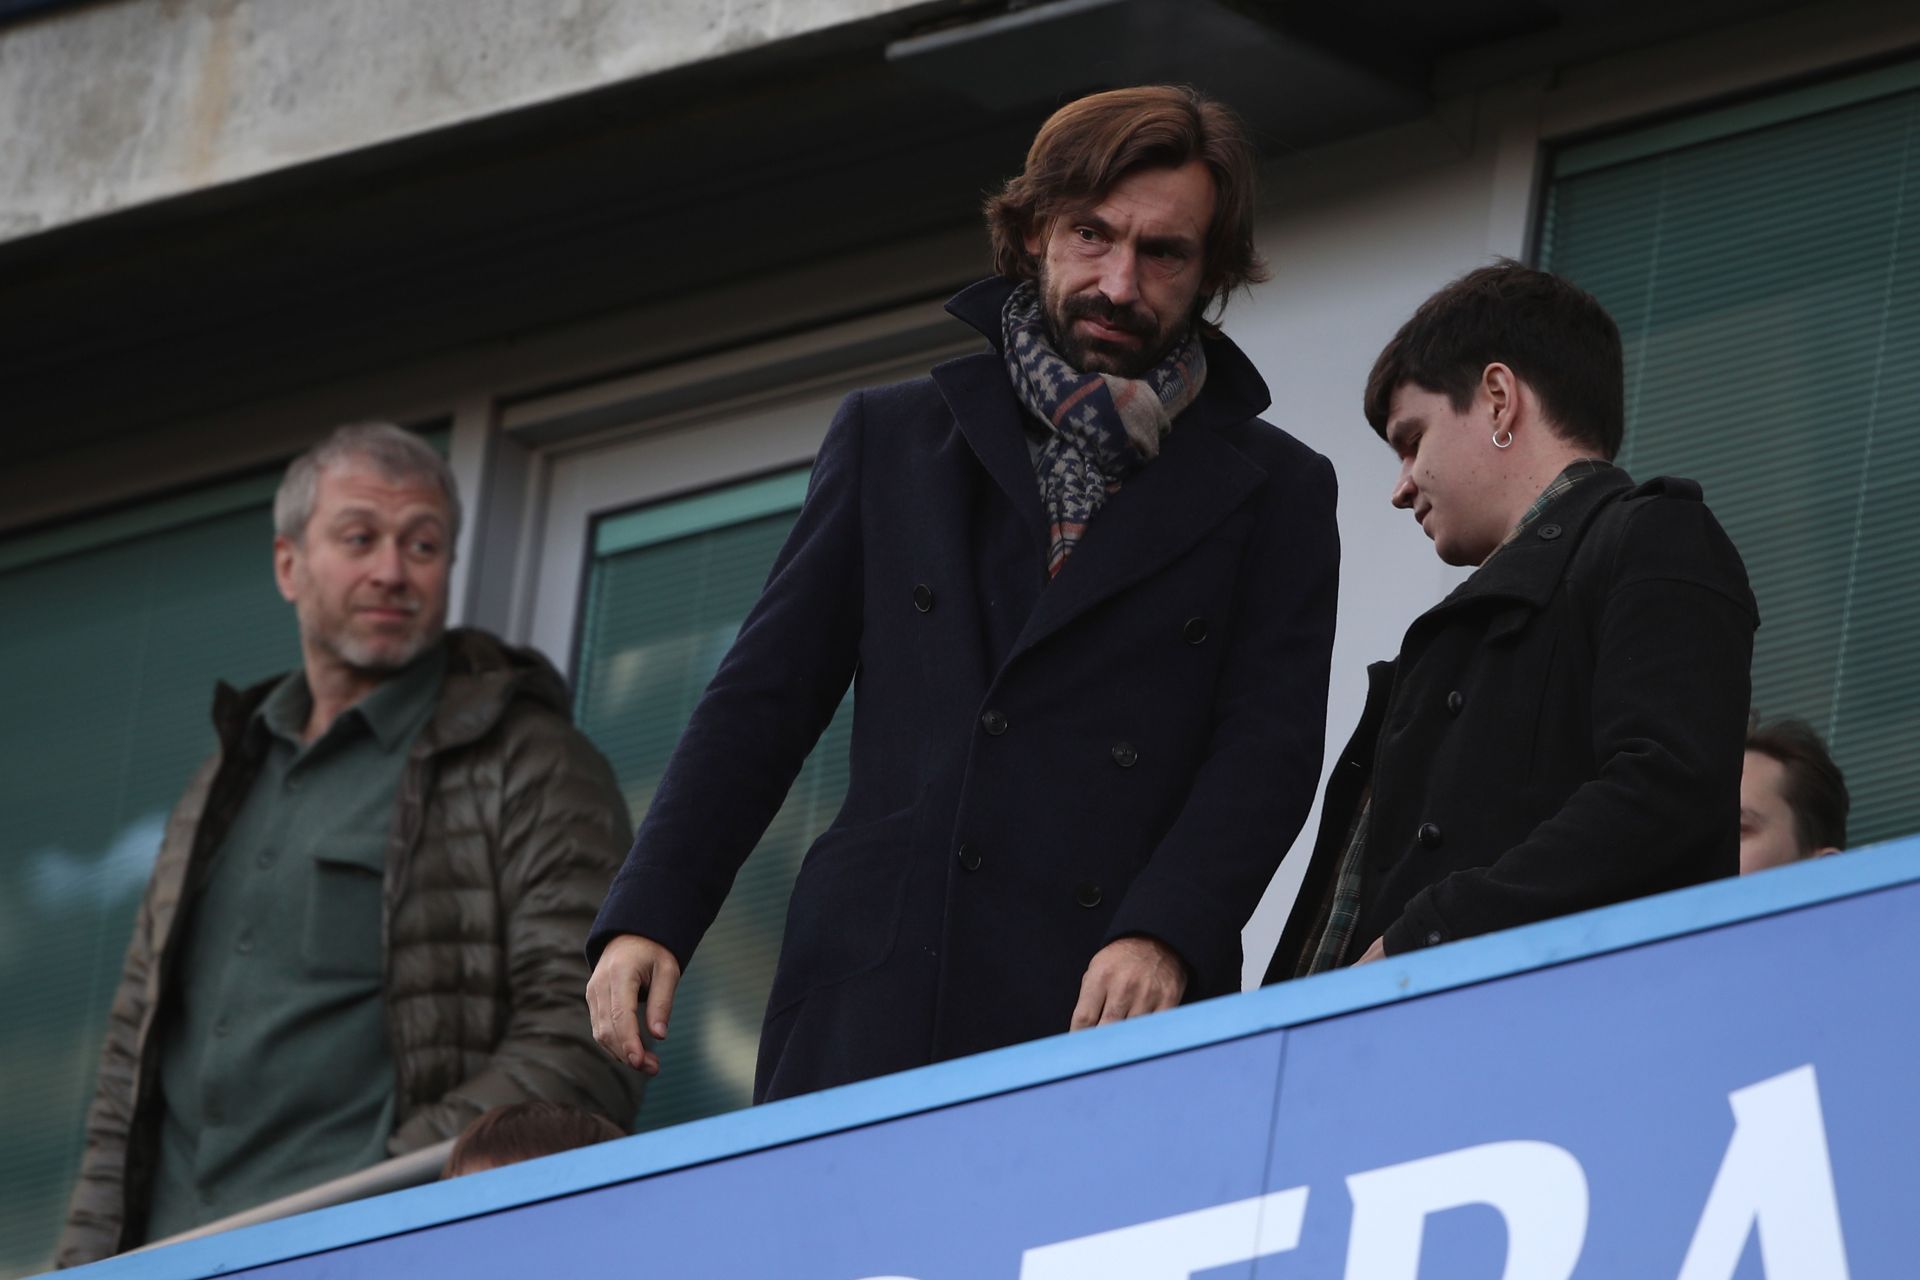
x=362, y=930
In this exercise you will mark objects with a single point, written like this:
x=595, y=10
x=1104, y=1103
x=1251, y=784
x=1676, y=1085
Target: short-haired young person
x=1793, y=798
x=1086, y=600
x=1563, y=730
x=525, y=1131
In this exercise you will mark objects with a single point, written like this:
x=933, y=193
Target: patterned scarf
x=1102, y=427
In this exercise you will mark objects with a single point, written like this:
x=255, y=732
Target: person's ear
x=1501, y=389
x=284, y=554
x=1035, y=241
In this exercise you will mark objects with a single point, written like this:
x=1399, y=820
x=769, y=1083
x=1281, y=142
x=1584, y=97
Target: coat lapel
x=1163, y=509
x=983, y=404
x=1524, y=575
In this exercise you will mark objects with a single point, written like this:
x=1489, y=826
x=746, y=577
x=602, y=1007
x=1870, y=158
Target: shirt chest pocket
x=343, y=911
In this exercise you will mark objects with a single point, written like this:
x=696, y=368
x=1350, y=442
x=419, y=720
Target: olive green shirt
x=275, y=1068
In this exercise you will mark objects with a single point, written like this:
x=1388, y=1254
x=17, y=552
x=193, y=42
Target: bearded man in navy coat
x=1086, y=600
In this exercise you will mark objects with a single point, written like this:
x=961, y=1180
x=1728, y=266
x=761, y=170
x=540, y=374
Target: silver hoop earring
x=1498, y=444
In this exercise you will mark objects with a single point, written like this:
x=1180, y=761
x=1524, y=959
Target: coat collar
x=1164, y=508
x=1234, y=389
x=1528, y=570
x=483, y=676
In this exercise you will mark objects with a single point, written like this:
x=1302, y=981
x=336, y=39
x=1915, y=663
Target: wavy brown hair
x=1088, y=145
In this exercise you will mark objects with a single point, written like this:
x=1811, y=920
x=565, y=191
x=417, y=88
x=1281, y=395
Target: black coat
x=1563, y=731
x=1036, y=768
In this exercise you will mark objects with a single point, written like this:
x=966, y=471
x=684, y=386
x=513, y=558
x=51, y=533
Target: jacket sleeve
x=1673, y=644
x=560, y=829
x=765, y=708
x=1261, y=765
x=97, y=1210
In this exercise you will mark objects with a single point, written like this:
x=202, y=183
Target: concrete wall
x=111, y=106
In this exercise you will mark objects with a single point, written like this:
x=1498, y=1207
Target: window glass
x=668, y=586
x=1764, y=267
x=115, y=633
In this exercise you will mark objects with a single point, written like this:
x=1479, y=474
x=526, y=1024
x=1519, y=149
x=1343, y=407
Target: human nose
x=1120, y=276
x=1404, y=489
x=389, y=562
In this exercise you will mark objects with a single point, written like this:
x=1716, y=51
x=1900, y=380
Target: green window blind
x=115, y=632
x=667, y=589
x=1764, y=266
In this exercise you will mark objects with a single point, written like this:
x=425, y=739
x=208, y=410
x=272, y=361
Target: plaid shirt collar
x=1576, y=471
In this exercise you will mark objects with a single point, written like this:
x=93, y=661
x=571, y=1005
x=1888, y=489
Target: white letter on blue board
x=1174, y=1248
x=1538, y=1188
x=1777, y=1179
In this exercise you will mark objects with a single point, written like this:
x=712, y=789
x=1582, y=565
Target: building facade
x=622, y=258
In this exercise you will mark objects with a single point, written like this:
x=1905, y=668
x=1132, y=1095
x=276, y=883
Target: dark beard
x=1090, y=355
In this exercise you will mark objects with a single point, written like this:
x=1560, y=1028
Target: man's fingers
x=666, y=977
x=1086, y=1012
x=1124, y=999
x=628, y=964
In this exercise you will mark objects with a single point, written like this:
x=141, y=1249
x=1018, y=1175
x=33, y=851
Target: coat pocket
x=844, y=913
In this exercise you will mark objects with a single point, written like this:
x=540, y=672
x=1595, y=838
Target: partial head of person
x=1793, y=798
x=525, y=1131
x=1134, y=218
x=364, y=529
x=1495, y=385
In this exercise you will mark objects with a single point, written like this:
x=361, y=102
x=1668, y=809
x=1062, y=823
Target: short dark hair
x=523, y=1131
x=1814, y=789
x=1088, y=145
x=1555, y=335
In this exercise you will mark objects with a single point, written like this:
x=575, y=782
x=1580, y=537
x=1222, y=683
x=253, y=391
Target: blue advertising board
x=1708, y=1085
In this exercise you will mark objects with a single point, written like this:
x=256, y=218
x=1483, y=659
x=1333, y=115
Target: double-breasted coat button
x=1087, y=895
x=923, y=598
x=1455, y=701
x=1548, y=532
x=1124, y=755
x=994, y=722
x=1429, y=835
x=969, y=857
x=1433, y=938
x=1195, y=632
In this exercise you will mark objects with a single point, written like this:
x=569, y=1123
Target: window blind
x=116, y=631
x=667, y=589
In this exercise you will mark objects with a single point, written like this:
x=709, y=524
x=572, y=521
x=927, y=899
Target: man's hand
x=1129, y=977
x=629, y=965
x=1378, y=951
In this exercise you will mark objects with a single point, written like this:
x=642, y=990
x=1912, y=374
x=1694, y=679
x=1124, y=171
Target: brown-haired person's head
x=1493, y=385
x=1793, y=798
x=1134, y=215
x=524, y=1131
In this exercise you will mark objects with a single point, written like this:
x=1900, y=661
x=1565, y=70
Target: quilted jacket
x=508, y=827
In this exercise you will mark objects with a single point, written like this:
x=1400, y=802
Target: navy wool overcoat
x=1037, y=767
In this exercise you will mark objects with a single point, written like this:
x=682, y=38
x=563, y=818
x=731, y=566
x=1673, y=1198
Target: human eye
x=1088, y=235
